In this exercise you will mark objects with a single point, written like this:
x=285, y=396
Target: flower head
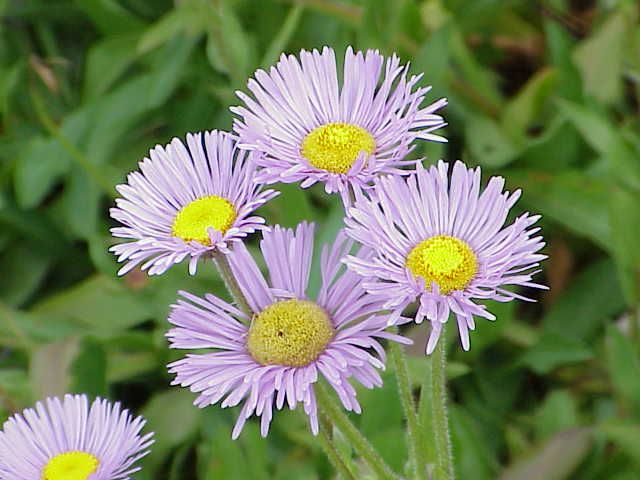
x=277, y=355
x=187, y=201
x=443, y=243
x=314, y=129
x=68, y=439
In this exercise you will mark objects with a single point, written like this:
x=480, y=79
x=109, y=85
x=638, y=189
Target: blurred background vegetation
x=544, y=93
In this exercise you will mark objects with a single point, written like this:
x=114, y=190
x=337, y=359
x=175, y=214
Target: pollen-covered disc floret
x=275, y=356
x=443, y=242
x=71, y=439
x=70, y=466
x=445, y=260
x=194, y=220
x=335, y=147
x=187, y=201
x=316, y=124
x=289, y=332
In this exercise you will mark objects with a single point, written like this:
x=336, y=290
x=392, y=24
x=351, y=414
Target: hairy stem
x=222, y=264
x=417, y=461
x=326, y=442
x=330, y=409
x=440, y=427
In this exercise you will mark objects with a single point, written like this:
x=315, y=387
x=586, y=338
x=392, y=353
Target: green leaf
x=625, y=436
x=623, y=364
x=558, y=412
x=523, y=109
x=42, y=163
x=552, y=351
x=569, y=197
x=477, y=461
x=187, y=17
x=23, y=270
x=587, y=304
x=282, y=39
x=89, y=369
x=100, y=303
x=173, y=418
x=49, y=368
x=229, y=47
x=600, y=57
x=107, y=60
x=624, y=215
x=109, y=16
x=556, y=459
x=487, y=143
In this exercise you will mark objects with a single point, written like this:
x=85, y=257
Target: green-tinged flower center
x=335, y=147
x=193, y=221
x=446, y=260
x=70, y=466
x=289, y=332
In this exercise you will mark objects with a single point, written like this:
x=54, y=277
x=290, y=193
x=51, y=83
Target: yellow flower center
x=446, y=260
x=335, y=147
x=193, y=221
x=290, y=332
x=70, y=466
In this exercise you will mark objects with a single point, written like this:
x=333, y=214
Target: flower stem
x=224, y=269
x=330, y=409
x=440, y=420
x=416, y=454
x=330, y=450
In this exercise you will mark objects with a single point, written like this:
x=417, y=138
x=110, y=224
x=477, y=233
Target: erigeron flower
x=313, y=127
x=187, y=201
x=279, y=354
x=445, y=244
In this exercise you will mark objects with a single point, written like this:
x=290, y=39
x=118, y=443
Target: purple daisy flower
x=187, y=201
x=312, y=129
x=278, y=355
x=70, y=440
x=444, y=243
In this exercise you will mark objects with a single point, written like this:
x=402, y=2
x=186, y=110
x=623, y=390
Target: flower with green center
x=335, y=147
x=444, y=243
x=70, y=439
x=289, y=332
x=187, y=201
x=276, y=355
x=316, y=125
x=70, y=466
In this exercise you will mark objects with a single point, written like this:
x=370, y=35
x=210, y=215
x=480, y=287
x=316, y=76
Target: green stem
x=330, y=409
x=222, y=264
x=441, y=436
x=417, y=462
x=331, y=452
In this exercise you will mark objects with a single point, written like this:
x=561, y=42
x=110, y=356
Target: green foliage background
x=544, y=93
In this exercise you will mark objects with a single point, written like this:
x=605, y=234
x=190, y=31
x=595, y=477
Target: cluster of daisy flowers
x=425, y=240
